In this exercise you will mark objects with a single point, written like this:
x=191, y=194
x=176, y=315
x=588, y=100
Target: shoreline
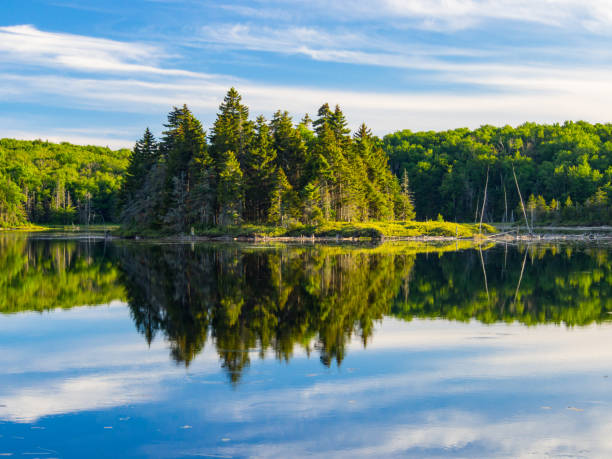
x=588, y=234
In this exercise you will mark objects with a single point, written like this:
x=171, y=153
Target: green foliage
x=11, y=204
x=369, y=230
x=229, y=190
x=259, y=172
x=42, y=275
x=43, y=182
x=447, y=171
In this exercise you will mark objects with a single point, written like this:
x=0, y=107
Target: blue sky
x=99, y=72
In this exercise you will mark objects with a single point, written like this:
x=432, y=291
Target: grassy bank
x=24, y=227
x=371, y=230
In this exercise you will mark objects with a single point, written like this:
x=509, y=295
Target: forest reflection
x=47, y=273
x=249, y=299
x=318, y=297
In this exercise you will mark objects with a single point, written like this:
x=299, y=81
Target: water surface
x=112, y=349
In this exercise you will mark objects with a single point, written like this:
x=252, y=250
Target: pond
x=139, y=349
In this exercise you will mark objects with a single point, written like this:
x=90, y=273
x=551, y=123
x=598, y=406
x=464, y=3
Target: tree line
x=281, y=172
x=44, y=182
x=275, y=172
x=564, y=172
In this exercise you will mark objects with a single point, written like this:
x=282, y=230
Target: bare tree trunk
x=521, y=198
x=484, y=201
x=505, y=201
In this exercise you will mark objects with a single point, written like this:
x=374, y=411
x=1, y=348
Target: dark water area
x=133, y=349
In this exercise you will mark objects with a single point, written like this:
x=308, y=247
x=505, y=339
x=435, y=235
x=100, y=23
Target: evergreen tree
x=232, y=129
x=324, y=119
x=339, y=127
x=405, y=207
x=312, y=212
x=184, y=142
x=144, y=155
x=187, y=161
x=290, y=148
x=259, y=173
x=382, y=187
x=280, y=198
x=230, y=190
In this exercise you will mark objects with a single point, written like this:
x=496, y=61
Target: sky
x=100, y=71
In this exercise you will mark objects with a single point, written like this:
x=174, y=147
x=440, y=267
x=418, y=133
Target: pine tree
x=339, y=127
x=323, y=121
x=279, y=198
x=406, y=208
x=230, y=190
x=259, y=173
x=311, y=210
x=231, y=132
x=187, y=160
x=144, y=155
x=183, y=142
x=232, y=129
x=383, y=191
x=306, y=121
x=290, y=148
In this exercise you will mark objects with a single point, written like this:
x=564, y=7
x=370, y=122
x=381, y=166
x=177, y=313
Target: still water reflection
x=294, y=350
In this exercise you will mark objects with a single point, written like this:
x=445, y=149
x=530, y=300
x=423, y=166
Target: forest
x=564, y=172
x=277, y=172
x=49, y=183
x=284, y=173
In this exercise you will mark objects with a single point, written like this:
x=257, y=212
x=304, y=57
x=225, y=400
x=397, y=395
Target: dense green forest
x=285, y=173
x=564, y=172
x=43, y=182
x=275, y=172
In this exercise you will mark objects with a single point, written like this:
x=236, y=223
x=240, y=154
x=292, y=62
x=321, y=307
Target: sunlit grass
x=373, y=230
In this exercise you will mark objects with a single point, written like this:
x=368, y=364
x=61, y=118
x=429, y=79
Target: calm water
x=149, y=350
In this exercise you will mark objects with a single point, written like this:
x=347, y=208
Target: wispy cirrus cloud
x=468, y=86
x=449, y=15
x=330, y=46
x=26, y=45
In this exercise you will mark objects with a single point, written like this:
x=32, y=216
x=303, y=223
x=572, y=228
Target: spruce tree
x=144, y=155
x=186, y=158
x=259, y=172
x=230, y=190
x=290, y=148
x=405, y=206
x=232, y=129
x=279, y=198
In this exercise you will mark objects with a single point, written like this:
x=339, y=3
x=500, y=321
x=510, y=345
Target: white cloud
x=321, y=45
x=499, y=361
x=451, y=15
x=513, y=97
x=26, y=45
x=60, y=135
x=129, y=77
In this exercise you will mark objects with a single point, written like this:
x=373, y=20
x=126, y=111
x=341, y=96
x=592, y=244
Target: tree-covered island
x=312, y=177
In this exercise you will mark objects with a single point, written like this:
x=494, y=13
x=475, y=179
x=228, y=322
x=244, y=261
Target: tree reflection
x=264, y=299
x=43, y=274
x=560, y=284
x=256, y=299
x=253, y=300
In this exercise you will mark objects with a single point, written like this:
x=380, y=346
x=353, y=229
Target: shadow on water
x=249, y=299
